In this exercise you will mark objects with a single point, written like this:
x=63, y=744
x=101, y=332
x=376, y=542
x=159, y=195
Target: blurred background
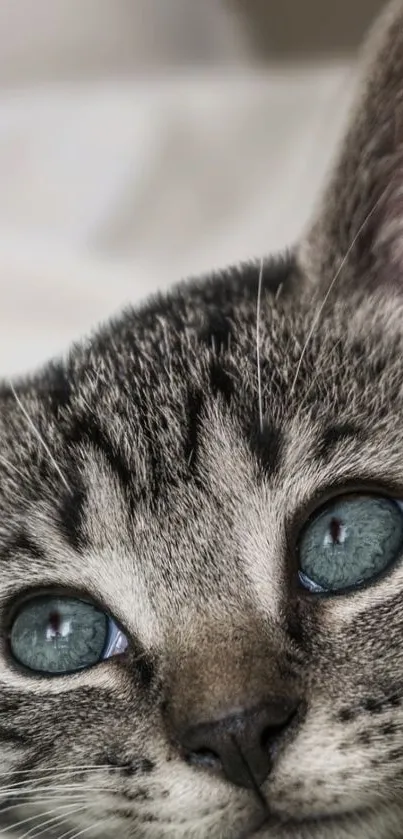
x=145, y=140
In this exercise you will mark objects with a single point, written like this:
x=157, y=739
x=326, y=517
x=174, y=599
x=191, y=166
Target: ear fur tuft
x=361, y=210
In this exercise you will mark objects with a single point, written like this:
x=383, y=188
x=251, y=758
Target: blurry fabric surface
x=124, y=168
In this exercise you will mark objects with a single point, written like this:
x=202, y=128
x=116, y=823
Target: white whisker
x=331, y=286
x=71, y=807
x=84, y=830
x=38, y=435
x=321, y=366
x=67, y=766
x=39, y=801
x=57, y=821
x=57, y=775
x=53, y=788
x=259, y=378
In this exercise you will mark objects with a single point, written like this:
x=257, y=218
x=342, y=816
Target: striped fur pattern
x=165, y=474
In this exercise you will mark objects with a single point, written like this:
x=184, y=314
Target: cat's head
x=201, y=540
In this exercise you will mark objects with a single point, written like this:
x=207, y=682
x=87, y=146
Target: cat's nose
x=241, y=744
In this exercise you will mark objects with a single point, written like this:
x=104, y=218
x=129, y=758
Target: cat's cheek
x=317, y=775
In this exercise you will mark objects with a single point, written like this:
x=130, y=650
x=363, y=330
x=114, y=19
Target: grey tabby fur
x=140, y=474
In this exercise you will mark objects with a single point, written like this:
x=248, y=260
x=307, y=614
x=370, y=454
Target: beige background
x=145, y=140
x=307, y=28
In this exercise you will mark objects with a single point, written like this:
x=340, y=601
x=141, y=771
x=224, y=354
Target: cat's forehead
x=215, y=358
x=219, y=334
x=203, y=363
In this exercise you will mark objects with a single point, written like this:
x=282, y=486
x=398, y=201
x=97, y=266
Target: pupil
x=335, y=531
x=55, y=624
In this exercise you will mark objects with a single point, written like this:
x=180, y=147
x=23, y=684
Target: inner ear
x=357, y=229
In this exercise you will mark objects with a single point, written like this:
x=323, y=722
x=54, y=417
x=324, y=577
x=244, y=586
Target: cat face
x=201, y=541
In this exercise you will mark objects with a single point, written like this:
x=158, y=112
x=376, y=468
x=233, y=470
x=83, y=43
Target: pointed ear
x=357, y=230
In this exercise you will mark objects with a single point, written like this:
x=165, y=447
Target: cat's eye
x=55, y=635
x=349, y=542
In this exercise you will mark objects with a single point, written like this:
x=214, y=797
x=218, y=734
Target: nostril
x=271, y=733
x=206, y=758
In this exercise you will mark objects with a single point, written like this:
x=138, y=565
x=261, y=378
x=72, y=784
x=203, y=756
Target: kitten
x=201, y=539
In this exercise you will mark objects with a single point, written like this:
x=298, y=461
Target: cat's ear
x=357, y=230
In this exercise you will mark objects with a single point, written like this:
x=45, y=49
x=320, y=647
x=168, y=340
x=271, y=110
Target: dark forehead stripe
x=217, y=331
x=72, y=512
x=195, y=401
x=221, y=382
x=58, y=387
x=21, y=543
x=87, y=429
x=334, y=436
x=267, y=446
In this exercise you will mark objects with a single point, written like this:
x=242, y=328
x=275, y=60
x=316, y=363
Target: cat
x=201, y=538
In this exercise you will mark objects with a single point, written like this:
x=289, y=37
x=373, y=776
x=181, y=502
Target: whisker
x=39, y=801
x=332, y=284
x=84, y=830
x=73, y=766
x=19, y=824
x=38, y=435
x=259, y=375
x=317, y=376
x=59, y=820
x=64, y=774
x=54, y=788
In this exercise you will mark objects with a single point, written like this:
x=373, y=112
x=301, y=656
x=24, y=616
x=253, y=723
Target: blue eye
x=56, y=635
x=349, y=542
